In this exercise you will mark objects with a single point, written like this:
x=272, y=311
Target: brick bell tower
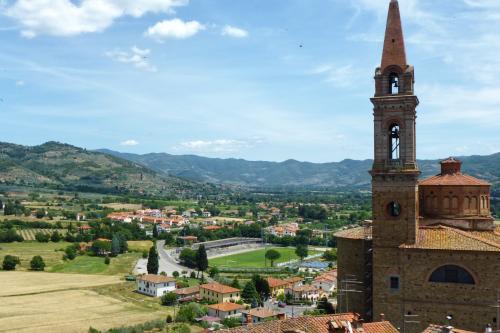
x=395, y=171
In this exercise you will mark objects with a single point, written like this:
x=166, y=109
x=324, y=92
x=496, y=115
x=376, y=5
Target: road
x=292, y=311
x=167, y=263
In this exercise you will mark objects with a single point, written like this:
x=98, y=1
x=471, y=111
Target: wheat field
x=51, y=302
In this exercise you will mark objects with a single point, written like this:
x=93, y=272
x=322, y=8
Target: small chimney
x=382, y=317
x=281, y=316
x=488, y=329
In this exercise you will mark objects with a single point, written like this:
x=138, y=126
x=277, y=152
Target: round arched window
x=394, y=209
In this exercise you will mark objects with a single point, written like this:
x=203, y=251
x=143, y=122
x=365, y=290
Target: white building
x=155, y=285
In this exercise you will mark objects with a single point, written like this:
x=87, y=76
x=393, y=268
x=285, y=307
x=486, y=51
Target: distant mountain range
x=61, y=166
x=292, y=173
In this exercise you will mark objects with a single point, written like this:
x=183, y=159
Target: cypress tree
x=153, y=264
x=249, y=294
x=155, y=231
x=201, y=259
x=115, y=246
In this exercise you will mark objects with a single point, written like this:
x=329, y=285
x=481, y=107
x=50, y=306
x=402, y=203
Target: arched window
x=394, y=135
x=473, y=204
x=394, y=209
x=451, y=274
x=393, y=84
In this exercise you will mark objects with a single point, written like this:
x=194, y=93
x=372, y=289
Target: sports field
x=51, y=302
x=255, y=258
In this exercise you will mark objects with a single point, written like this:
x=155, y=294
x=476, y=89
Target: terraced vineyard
x=29, y=234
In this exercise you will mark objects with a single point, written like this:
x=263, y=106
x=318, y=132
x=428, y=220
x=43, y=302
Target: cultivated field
x=29, y=234
x=49, y=302
x=52, y=255
x=139, y=246
x=123, y=206
x=255, y=258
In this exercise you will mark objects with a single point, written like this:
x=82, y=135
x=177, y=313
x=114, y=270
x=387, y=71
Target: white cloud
x=129, y=142
x=234, y=32
x=67, y=18
x=20, y=83
x=136, y=57
x=174, y=28
x=340, y=76
x=217, y=146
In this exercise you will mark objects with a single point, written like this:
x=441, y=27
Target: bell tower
x=394, y=172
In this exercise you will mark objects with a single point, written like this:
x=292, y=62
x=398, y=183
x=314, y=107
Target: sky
x=254, y=79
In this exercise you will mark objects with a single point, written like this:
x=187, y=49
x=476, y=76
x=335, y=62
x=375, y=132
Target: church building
x=431, y=255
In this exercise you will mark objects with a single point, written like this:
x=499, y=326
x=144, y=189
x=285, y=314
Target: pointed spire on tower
x=394, y=45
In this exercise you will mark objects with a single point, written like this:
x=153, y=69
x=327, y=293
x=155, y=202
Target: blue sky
x=254, y=79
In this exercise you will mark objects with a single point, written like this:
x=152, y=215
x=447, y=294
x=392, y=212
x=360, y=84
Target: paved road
x=292, y=311
x=167, y=263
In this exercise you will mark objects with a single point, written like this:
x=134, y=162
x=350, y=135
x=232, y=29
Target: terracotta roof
x=156, y=278
x=448, y=238
x=305, y=288
x=317, y=324
x=187, y=291
x=273, y=283
x=261, y=313
x=441, y=329
x=355, y=233
x=219, y=288
x=455, y=179
x=226, y=306
x=294, y=279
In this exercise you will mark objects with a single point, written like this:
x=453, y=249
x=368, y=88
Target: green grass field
x=52, y=255
x=255, y=258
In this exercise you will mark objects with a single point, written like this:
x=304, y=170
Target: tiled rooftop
x=447, y=238
x=355, y=233
x=318, y=324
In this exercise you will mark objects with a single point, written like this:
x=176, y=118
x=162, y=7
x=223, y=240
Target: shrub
x=42, y=238
x=37, y=263
x=10, y=262
x=192, y=275
x=187, y=313
x=169, y=319
x=107, y=260
x=70, y=253
x=175, y=274
x=144, y=254
x=213, y=272
x=55, y=237
x=169, y=299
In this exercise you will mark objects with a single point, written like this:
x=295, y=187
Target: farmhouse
x=225, y=310
x=303, y=293
x=188, y=294
x=155, y=285
x=277, y=286
x=219, y=293
x=258, y=315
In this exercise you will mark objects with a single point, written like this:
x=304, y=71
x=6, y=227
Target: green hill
x=291, y=173
x=61, y=166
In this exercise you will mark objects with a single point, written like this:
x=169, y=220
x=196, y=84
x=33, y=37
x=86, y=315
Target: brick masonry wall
x=471, y=305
